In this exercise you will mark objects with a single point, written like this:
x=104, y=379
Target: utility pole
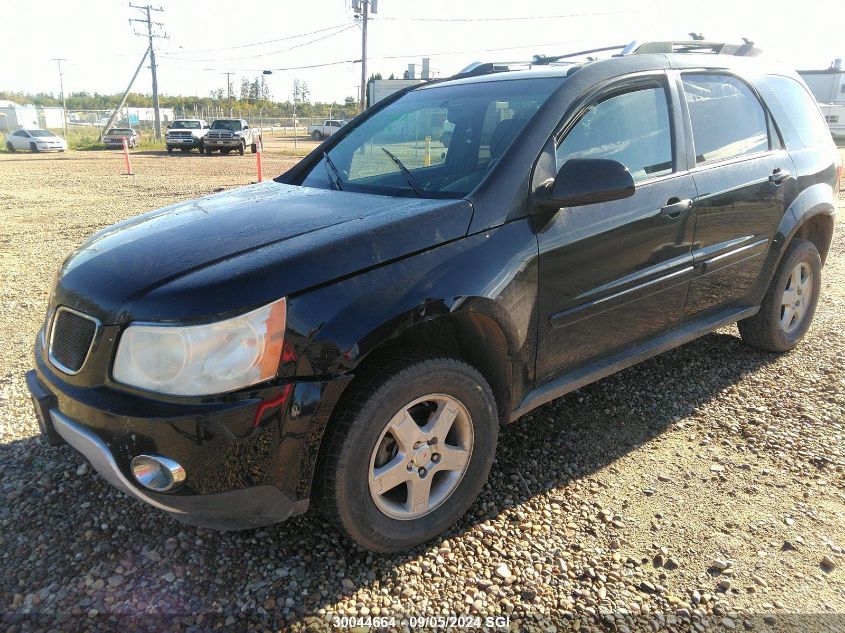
x=146, y=10
x=364, y=20
x=364, y=7
x=59, y=61
x=229, y=86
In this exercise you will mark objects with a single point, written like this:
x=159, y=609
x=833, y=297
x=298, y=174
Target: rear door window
x=727, y=119
x=632, y=128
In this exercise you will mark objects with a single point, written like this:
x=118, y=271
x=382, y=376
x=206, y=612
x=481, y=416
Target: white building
x=828, y=86
x=14, y=116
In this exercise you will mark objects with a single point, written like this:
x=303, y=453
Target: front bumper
x=193, y=142
x=240, y=473
x=223, y=142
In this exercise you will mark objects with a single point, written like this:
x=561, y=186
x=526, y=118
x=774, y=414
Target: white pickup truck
x=186, y=134
x=329, y=127
x=231, y=134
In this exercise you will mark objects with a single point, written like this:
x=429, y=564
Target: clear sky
x=210, y=37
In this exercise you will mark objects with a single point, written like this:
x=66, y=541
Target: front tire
x=317, y=135
x=34, y=148
x=10, y=147
x=790, y=302
x=169, y=149
x=409, y=452
x=241, y=148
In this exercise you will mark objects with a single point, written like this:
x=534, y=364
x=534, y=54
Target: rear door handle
x=675, y=207
x=778, y=176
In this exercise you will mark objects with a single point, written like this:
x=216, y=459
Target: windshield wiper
x=336, y=179
x=415, y=185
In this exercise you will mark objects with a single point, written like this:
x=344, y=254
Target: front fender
x=493, y=274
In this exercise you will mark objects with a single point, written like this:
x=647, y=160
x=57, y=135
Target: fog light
x=157, y=473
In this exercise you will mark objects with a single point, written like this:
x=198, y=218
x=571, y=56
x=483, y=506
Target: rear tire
x=790, y=302
x=435, y=420
x=207, y=150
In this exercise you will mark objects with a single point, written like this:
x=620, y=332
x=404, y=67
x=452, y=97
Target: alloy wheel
x=796, y=297
x=421, y=456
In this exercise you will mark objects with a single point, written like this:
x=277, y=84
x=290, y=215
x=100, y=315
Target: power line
x=404, y=56
x=279, y=39
x=176, y=57
x=508, y=19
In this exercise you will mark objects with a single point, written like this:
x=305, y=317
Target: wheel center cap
x=422, y=456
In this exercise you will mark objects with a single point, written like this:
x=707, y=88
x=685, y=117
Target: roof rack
x=746, y=49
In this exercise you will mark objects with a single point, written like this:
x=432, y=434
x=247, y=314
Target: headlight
x=203, y=359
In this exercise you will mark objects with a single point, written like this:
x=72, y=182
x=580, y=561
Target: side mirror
x=168, y=127
x=586, y=181
x=246, y=127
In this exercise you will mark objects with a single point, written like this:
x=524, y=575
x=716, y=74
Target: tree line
x=252, y=98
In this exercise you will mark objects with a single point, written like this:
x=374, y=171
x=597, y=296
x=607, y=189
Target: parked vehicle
x=352, y=335
x=35, y=140
x=114, y=137
x=186, y=134
x=229, y=135
x=329, y=127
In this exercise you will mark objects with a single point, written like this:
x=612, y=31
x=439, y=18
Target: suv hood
x=231, y=251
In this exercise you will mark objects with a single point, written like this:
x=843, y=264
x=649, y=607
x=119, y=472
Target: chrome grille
x=71, y=337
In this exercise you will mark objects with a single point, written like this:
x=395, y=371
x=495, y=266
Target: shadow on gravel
x=78, y=553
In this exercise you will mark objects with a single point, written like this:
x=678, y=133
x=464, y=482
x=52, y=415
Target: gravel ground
x=704, y=488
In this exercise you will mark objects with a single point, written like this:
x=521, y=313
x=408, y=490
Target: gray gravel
x=706, y=486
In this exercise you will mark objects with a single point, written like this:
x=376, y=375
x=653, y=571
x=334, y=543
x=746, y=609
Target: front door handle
x=675, y=207
x=778, y=176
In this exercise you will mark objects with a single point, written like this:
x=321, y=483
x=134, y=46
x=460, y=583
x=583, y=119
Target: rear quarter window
x=795, y=111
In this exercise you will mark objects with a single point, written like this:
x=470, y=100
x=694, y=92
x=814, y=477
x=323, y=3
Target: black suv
x=354, y=333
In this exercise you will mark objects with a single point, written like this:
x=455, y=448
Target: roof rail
x=541, y=60
x=746, y=49
x=485, y=68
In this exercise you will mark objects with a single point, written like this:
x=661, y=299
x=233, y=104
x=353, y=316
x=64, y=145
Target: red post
x=126, y=156
x=258, y=159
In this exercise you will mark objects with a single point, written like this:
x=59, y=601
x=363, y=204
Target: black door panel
x=612, y=274
x=738, y=211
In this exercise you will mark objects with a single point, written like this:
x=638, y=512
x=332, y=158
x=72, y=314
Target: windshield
x=40, y=133
x=433, y=142
x=185, y=125
x=234, y=126
x=119, y=130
